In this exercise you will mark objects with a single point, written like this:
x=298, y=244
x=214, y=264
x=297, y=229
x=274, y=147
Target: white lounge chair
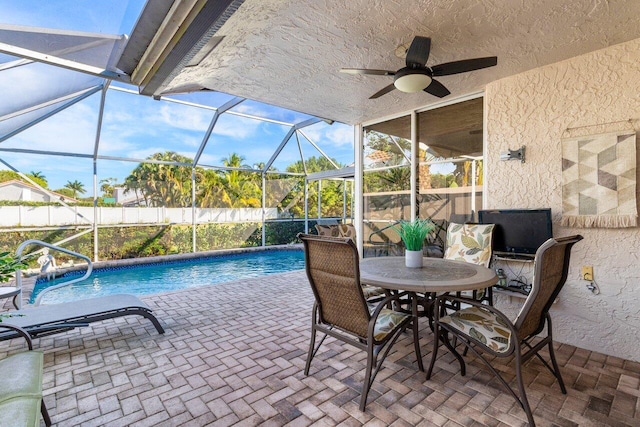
x=55, y=318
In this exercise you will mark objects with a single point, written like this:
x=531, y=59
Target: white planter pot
x=413, y=259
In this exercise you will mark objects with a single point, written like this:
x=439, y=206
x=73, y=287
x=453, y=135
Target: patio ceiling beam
x=264, y=119
x=319, y=149
x=79, y=98
x=45, y=104
x=304, y=164
x=226, y=106
x=138, y=160
x=100, y=117
x=64, y=63
x=90, y=156
x=286, y=138
x=15, y=64
x=60, y=52
x=206, y=107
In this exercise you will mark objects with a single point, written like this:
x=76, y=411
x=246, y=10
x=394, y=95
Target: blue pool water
x=143, y=279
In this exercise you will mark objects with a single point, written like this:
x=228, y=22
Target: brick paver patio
x=233, y=354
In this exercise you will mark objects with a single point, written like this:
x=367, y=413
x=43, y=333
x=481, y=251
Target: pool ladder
x=51, y=288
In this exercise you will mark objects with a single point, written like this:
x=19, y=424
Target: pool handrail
x=51, y=288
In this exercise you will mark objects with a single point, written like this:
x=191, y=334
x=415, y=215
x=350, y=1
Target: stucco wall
x=535, y=109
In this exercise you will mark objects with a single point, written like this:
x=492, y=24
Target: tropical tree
x=331, y=196
x=160, y=183
x=76, y=187
x=64, y=192
x=211, y=191
x=8, y=175
x=241, y=187
x=38, y=178
x=107, y=186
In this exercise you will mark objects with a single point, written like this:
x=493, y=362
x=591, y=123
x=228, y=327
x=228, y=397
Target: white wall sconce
x=513, y=154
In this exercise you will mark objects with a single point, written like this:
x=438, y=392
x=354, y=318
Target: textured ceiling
x=288, y=52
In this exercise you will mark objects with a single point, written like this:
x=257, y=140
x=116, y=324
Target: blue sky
x=135, y=126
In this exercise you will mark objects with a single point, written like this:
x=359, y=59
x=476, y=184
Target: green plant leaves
x=8, y=265
x=413, y=233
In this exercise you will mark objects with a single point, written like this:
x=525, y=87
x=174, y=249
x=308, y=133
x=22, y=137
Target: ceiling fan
x=417, y=76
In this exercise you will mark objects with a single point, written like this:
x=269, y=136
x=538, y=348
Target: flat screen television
x=518, y=231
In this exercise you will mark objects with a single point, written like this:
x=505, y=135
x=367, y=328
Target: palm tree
x=39, y=178
x=75, y=186
x=241, y=187
x=162, y=184
x=107, y=186
x=211, y=190
x=37, y=175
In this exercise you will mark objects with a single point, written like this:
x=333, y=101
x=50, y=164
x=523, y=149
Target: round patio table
x=435, y=275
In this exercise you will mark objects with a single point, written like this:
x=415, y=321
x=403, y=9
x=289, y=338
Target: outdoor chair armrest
x=21, y=332
x=385, y=302
x=382, y=305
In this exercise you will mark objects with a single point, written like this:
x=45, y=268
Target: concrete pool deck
x=233, y=354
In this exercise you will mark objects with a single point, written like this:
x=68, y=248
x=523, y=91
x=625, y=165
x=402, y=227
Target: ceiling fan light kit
x=410, y=81
x=417, y=76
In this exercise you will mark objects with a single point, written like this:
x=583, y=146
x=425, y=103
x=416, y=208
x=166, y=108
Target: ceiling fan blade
x=366, y=71
x=437, y=89
x=418, y=52
x=383, y=91
x=463, y=66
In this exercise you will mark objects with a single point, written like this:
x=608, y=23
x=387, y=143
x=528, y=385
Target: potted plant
x=413, y=234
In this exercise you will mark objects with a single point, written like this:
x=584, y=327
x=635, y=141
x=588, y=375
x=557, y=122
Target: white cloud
x=183, y=117
x=336, y=135
x=270, y=112
x=72, y=131
x=236, y=127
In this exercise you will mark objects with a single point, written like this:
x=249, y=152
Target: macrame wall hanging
x=599, y=176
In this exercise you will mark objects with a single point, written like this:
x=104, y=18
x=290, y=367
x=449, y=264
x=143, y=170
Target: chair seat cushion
x=21, y=375
x=387, y=321
x=481, y=325
x=20, y=411
x=371, y=291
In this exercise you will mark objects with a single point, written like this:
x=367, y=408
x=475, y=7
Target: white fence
x=43, y=216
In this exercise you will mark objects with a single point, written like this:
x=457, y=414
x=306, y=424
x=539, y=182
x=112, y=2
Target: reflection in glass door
x=449, y=174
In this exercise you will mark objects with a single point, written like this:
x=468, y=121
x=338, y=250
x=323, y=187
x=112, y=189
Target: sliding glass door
x=448, y=174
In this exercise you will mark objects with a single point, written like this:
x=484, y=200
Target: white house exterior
x=16, y=190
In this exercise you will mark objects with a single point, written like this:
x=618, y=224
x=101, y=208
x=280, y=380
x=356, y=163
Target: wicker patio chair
x=484, y=329
x=372, y=293
x=341, y=310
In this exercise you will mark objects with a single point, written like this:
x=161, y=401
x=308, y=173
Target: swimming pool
x=144, y=279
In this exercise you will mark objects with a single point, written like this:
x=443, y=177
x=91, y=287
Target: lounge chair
x=55, y=318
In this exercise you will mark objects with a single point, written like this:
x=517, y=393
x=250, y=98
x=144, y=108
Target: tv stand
x=519, y=274
x=509, y=256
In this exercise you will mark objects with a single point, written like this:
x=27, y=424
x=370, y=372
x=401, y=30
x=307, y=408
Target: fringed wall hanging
x=599, y=179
